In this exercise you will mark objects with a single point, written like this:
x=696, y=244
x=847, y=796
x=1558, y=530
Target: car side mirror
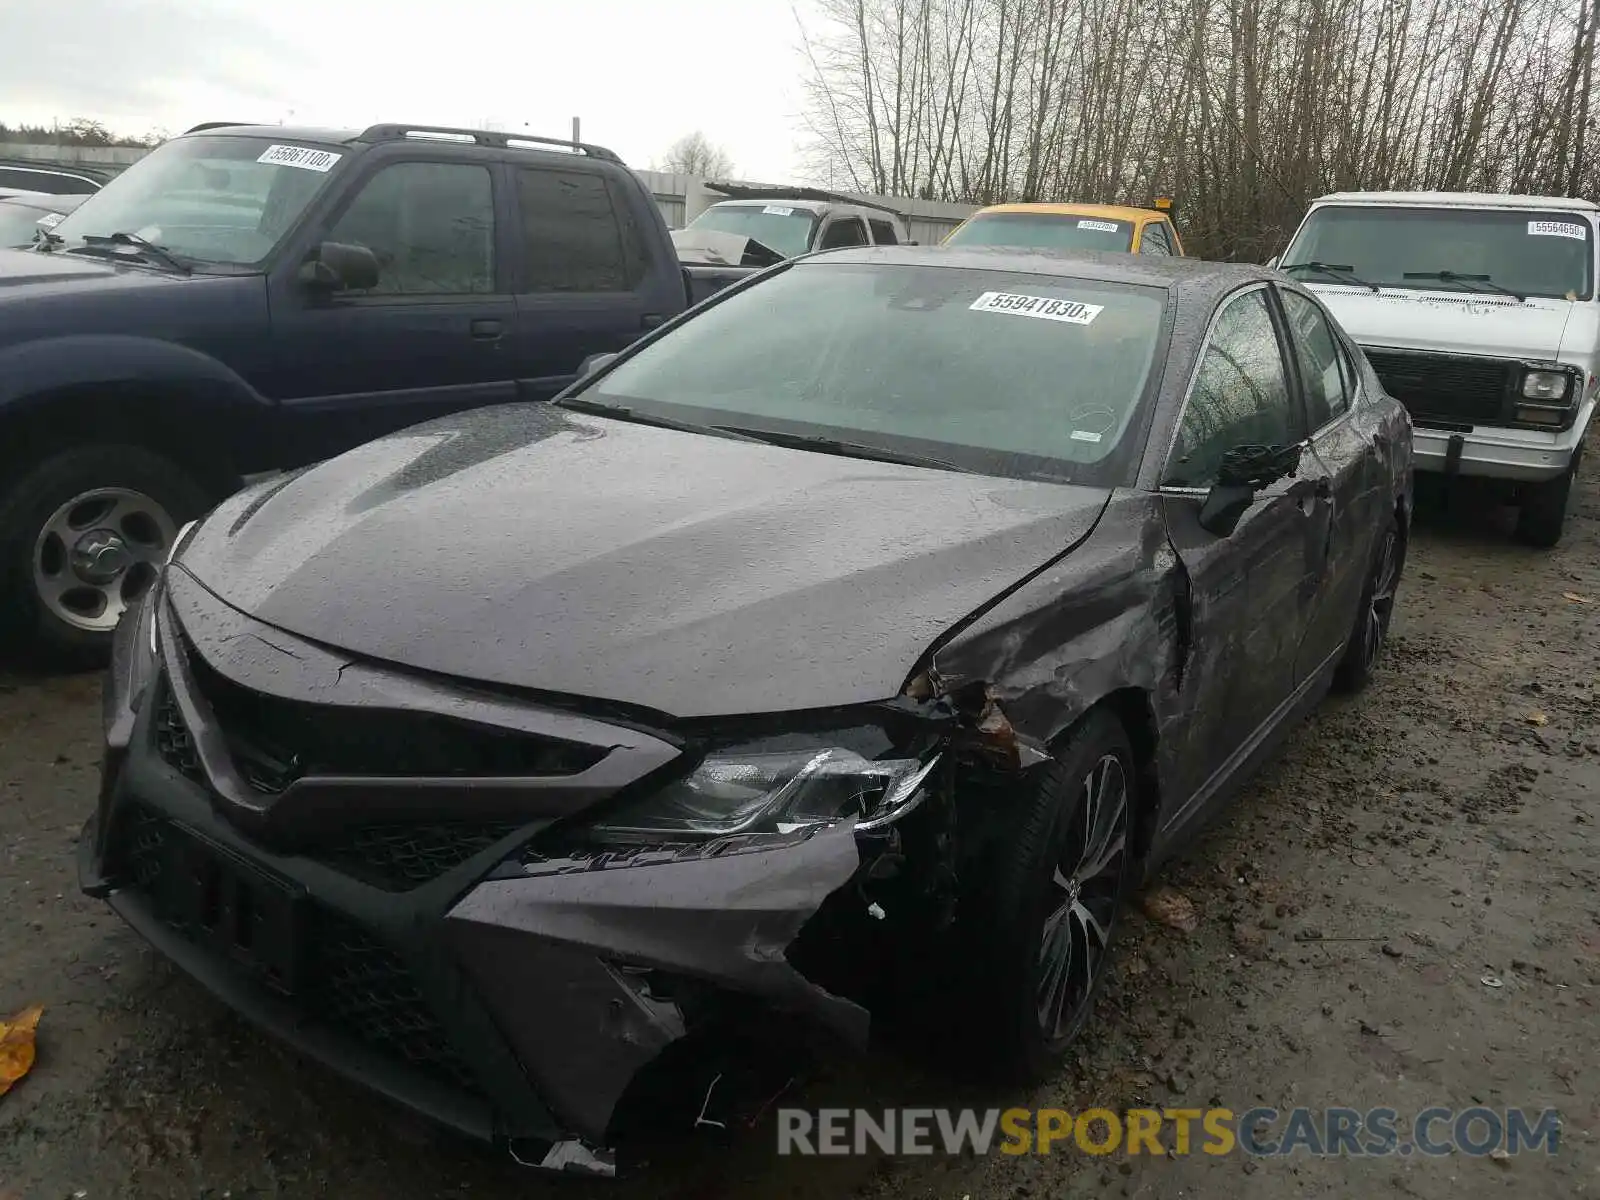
x=592, y=364
x=1244, y=471
x=339, y=266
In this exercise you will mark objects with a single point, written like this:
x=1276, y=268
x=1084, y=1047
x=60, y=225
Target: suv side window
x=1241, y=395
x=430, y=225
x=1322, y=366
x=575, y=239
x=883, y=233
x=846, y=231
x=1154, y=239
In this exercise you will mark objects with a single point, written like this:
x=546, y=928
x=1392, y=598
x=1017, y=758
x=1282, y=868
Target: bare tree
x=694, y=154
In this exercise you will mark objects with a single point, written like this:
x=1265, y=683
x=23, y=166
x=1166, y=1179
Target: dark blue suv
x=247, y=299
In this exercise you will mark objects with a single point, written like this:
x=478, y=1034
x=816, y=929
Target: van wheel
x=1543, y=515
x=82, y=536
x=1059, y=883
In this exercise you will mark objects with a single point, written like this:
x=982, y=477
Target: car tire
x=81, y=535
x=1543, y=513
x=1370, y=629
x=1049, y=918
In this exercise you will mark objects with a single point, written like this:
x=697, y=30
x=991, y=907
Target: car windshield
x=1019, y=375
x=779, y=227
x=1043, y=231
x=1528, y=252
x=209, y=200
x=18, y=223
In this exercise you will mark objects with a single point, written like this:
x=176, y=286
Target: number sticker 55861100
x=1074, y=312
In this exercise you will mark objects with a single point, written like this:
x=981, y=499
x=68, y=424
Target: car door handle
x=487, y=329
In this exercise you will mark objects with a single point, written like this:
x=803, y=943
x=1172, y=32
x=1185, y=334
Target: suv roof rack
x=389, y=132
x=743, y=191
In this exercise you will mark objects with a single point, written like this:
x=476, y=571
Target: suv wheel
x=1059, y=883
x=1543, y=515
x=82, y=536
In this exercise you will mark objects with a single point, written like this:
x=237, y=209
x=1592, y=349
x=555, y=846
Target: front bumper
x=510, y=997
x=1497, y=452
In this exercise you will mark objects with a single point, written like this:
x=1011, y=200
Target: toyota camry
x=896, y=612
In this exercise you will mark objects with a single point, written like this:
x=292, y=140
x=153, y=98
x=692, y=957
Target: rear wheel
x=82, y=536
x=1543, y=515
x=1371, y=628
x=1059, y=886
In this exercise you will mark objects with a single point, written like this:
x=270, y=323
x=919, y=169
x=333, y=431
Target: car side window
x=577, y=237
x=846, y=231
x=1322, y=366
x=1240, y=397
x=883, y=233
x=1154, y=239
x=430, y=226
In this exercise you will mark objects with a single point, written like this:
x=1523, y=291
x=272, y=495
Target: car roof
x=1195, y=275
x=1459, y=200
x=1108, y=212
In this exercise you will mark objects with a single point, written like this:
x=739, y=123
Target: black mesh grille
x=1446, y=385
x=400, y=857
x=366, y=991
x=173, y=740
x=273, y=742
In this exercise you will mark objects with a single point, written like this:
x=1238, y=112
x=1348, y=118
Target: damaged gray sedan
x=892, y=614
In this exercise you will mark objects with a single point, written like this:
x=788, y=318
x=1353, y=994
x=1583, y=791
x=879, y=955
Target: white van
x=1480, y=314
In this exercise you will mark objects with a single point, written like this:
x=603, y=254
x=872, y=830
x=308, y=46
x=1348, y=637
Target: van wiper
x=623, y=413
x=1465, y=281
x=1333, y=270
x=830, y=445
x=148, y=248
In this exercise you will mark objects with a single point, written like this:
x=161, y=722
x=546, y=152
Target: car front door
x=1349, y=506
x=586, y=283
x=429, y=338
x=1249, y=591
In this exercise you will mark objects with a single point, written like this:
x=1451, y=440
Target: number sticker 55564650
x=1073, y=312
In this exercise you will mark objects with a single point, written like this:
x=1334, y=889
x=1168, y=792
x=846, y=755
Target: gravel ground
x=1435, y=831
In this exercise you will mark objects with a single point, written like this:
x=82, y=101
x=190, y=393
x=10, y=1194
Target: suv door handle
x=487, y=329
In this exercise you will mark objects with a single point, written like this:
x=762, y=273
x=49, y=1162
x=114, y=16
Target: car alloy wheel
x=99, y=552
x=1380, y=599
x=1085, y=891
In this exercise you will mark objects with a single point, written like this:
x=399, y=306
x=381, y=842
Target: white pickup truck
x=1480, y=314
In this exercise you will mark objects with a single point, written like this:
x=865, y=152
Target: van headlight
x=1549, y=387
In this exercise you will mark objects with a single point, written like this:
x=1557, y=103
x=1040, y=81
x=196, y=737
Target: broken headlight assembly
x=744, y=792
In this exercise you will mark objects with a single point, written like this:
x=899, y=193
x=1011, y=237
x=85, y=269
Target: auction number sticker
x=777, y=210
x=1564, y=229
x=1098, y=226
x=1074, y=312
x=299, y=156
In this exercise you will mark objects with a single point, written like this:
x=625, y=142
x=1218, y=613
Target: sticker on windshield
x=299, y=156
x=1564, y=229
x=1099, y=226
x=1074, y=312
x=1084, y=435
x=51, y=220
x=777, y=210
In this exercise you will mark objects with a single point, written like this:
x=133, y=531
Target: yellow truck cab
x=1072, y=227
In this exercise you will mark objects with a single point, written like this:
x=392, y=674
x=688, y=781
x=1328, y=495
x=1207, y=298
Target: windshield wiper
x=1465, y=281
x=149, y=249
x=1334, y=270
x=624, y=413
x=831, y=445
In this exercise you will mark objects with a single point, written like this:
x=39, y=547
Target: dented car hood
x=692, y=575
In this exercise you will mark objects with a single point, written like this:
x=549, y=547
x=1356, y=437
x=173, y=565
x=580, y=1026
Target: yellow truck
x=1072, y=227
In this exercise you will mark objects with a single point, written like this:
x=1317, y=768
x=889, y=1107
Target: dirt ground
x=1410, y=843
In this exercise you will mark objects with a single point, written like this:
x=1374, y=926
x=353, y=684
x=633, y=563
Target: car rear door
x=1250, y=591
x=427, y=340
x=589, y=280
x=1347, y=508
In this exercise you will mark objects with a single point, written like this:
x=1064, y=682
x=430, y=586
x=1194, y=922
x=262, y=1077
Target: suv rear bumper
x=1498, y=452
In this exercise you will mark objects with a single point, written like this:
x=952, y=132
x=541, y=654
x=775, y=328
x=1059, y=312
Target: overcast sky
x=639, y=74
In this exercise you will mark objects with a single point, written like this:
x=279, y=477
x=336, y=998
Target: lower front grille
x=345, y=977
x=1450, y=386
x=174, y=742
x=399, y=857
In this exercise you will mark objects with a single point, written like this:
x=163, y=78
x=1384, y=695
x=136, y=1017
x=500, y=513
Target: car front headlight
x=1546, y=386
x=734, y=792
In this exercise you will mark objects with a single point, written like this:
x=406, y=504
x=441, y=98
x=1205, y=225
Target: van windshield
x=1529, y=252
